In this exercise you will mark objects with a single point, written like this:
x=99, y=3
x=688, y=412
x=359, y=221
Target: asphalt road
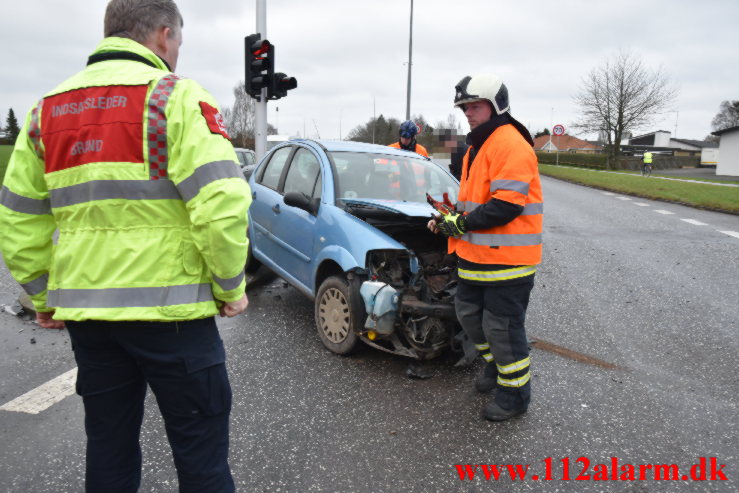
x=650, y=297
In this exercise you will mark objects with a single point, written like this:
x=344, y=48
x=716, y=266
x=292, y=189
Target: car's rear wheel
x=339, y=315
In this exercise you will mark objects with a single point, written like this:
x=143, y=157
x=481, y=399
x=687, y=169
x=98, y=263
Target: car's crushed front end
x=408, y=293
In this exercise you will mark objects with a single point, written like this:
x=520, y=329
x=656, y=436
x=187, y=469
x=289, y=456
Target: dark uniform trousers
x=495, y=314
x=184, y=364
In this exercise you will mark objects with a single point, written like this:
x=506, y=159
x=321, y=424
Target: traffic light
x=260, y=64
x=280, y=84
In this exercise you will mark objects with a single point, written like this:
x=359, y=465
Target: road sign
x=558, y=130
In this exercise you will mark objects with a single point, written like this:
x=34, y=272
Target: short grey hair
x=138, y=19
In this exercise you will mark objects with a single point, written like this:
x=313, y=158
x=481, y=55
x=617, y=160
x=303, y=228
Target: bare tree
x=727, y=116
x=240, y=118
x=620, y=96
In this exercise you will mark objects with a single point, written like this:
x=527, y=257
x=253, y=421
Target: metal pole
x=374, y=118
x=551, y=129
x=260, y=115
x=410, y=63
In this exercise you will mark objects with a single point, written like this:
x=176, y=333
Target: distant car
x=247, y=161
x=345, y=224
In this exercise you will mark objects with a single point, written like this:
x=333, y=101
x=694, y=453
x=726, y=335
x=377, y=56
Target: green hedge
x=574, y=159
x=602, y=161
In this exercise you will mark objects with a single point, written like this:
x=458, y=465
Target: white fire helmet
x=486, y=87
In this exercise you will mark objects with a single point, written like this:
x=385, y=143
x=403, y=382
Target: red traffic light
x=261, y=47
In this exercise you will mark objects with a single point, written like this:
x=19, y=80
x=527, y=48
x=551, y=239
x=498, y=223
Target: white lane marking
x=45, y=395
x=641, y=204
x=623, y=198
x=608, y=193
x=693, y=221
x=660, y=211
x=730, y=233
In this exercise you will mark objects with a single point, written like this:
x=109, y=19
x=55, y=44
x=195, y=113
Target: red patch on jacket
x=214, y=119
x=92, y=125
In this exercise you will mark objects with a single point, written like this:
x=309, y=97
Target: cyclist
x=647, y=165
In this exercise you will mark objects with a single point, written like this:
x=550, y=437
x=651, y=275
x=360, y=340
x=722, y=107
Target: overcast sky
x=350, y=56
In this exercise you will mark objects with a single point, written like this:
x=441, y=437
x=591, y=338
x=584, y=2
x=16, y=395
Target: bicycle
x=646, y=170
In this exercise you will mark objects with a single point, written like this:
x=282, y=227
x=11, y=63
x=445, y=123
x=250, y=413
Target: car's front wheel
x=339, y=315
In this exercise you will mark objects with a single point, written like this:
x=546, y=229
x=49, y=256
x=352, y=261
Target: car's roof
x=351, y=146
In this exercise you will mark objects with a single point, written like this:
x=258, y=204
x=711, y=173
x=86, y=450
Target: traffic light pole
x=260, y=116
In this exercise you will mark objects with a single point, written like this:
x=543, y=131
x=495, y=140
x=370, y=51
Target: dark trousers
x=184, y=364
x=495, y=315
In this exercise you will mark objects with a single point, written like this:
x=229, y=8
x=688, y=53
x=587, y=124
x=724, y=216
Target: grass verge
x=4, y=158
x=694, y=193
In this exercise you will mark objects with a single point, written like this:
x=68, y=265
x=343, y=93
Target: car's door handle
x=276, y=208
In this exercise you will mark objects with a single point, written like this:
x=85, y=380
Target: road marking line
x=693, y=221
x=730, y=233
x=660, y=211
x=608, y=193
x=641, y=204
x=623, y=198
x=45, y=395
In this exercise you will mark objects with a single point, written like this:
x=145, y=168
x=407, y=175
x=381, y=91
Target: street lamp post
x=410, y=63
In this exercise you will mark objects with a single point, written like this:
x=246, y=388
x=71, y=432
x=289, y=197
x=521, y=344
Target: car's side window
x=303, y=172
x=317, y=189
x=272, y=172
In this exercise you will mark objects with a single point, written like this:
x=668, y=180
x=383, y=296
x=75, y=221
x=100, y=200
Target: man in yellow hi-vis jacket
x=133, y=166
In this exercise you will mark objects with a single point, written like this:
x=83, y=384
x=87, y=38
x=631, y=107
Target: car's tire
x=339, y=314
x=252, y=264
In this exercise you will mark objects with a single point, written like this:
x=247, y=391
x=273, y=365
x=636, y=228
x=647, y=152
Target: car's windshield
x=390, y=177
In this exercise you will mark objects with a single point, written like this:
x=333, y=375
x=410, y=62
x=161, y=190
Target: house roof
x=696, y=143
x=563, y=142
x=725, y=130
x=650, y=133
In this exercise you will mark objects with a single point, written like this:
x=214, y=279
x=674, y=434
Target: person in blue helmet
x=407, y=132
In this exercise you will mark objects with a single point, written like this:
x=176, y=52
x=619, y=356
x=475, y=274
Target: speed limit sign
x=558, y=130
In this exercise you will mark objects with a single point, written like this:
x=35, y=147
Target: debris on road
x=417, y=372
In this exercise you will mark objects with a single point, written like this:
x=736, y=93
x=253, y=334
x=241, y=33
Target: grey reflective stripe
x=229, y=284
x=19, y=203
x=502, y=240
x=114, y=189
x=205, y=174
x=513, y=185
x=130, y=297
x=36, y=286
x=533, y=209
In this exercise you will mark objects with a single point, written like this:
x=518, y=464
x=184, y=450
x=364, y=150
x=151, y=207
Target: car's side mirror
x=301, y=201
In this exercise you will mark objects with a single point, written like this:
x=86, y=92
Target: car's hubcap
x=334, y=314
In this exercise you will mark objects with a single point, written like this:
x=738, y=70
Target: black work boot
x=493, y=412
x=488, y=380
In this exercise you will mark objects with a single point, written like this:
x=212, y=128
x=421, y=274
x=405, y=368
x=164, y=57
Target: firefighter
x=495, y=229
x=133, y=166
x=407, y=134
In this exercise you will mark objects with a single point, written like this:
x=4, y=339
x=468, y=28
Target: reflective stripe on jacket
x=132, y=166
x=504, y=168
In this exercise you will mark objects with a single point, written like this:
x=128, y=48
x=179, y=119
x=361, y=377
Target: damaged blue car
x=345, y=224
